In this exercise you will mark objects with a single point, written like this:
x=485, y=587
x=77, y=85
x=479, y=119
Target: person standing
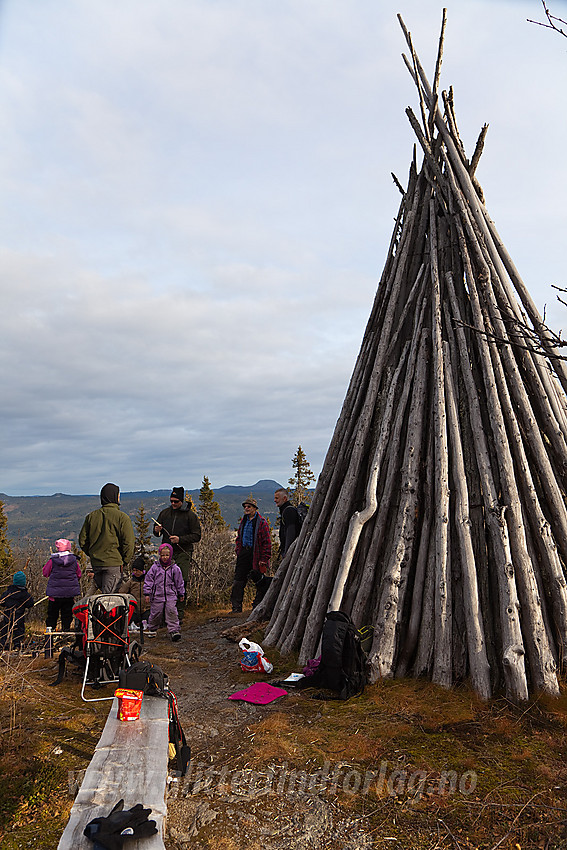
x=63, y=572
x=253, y=553
x=179, y=525
x=133, y=586
x=107, y=537
x=163, y=587
x=290, y=523
x=16, y=602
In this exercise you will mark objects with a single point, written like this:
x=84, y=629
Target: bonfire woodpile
x=439, y=517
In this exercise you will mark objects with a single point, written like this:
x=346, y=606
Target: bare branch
x=558, y=342
x=551, y=25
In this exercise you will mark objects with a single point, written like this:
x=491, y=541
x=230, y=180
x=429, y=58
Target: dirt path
x=232, y=797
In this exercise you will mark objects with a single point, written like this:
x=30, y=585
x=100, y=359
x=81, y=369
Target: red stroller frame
x=104, y=620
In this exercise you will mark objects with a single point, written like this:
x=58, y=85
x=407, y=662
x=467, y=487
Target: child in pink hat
x=163, y=586
x=63, y=573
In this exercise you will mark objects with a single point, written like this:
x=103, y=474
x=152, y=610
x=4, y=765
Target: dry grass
x=518, y=755
x=46, y=734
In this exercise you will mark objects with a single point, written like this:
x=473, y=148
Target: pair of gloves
x=111, y=832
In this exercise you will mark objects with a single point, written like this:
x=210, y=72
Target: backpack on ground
x=145, y=676
x=342, y=667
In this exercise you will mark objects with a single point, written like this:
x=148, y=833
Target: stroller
x=102, y=643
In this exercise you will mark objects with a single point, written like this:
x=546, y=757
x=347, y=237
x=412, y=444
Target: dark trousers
x=183, y=560
x=12, y=630
x=63, y=606
x=242, y=573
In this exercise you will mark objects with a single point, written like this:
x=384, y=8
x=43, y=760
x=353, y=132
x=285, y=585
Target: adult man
x=253, y=552
x=107, y=537
x=180, y=526
x=290, y=524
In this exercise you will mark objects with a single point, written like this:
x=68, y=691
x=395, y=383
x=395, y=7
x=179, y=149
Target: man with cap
x=179, y=525
x=253, y=553
x=107, y=537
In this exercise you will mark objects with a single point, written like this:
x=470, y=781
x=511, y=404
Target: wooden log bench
x=129, y=763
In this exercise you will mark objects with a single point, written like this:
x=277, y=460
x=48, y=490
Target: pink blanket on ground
x=260, y=693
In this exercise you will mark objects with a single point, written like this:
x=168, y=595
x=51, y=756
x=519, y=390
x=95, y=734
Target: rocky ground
x=234, y=795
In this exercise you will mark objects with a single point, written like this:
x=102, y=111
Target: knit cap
x=20, y=579
x=63, y=545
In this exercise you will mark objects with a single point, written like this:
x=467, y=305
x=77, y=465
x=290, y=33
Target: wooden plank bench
x=129, y=763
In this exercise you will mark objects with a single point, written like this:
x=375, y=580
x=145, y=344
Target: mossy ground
x=459, y=772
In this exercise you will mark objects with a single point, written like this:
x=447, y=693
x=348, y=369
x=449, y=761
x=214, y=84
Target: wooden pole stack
x=439, y=517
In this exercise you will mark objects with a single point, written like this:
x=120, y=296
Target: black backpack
x=145, y=676
x=302, y=509
x=342, y=667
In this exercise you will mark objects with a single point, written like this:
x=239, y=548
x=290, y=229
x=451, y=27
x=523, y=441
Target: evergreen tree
x=209, y=510
x=142, y=529
x=302, y=479
x=6, y=555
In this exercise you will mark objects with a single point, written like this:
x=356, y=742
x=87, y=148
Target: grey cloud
x=196, y=207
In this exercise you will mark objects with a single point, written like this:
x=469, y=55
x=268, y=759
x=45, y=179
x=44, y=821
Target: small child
x=16, y=602
x=133, y=586
x=63, y=572
x=163, y=586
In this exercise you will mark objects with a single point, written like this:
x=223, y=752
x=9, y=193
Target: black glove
x=111, y=832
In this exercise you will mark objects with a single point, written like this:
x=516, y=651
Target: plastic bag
x=254, y=660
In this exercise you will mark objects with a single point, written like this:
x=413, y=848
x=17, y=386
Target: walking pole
x=182, y=549
x=40, y=600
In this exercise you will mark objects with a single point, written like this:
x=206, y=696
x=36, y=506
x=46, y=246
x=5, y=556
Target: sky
x=196, y=205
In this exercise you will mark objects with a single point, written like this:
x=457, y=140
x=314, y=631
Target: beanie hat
x=20, y=579
x=139, y=563
x=63, y=545
x=178, y=493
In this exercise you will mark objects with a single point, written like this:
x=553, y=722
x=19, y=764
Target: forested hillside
x=46, y=518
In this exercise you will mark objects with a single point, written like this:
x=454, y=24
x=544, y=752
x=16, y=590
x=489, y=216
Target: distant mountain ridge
x=46, y=518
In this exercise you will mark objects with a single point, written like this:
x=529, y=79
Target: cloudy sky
x=196, y=205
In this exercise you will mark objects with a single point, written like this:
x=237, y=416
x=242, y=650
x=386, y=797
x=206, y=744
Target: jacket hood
x=166, y=547
x=110, y=494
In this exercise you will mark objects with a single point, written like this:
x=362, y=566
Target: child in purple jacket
x=63, y=573
x=163, y=586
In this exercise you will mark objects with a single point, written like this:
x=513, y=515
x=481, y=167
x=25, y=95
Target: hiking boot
x=175, y=637
x=149, y=633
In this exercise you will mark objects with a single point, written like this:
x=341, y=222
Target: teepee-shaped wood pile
x=439, y=516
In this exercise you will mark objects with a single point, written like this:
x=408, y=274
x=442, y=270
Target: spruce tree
x=142, y=528
x=209, y=510
x=302, y=479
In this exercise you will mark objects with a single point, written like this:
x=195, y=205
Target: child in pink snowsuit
x=163, y=586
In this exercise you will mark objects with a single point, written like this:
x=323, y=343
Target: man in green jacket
x=107, y=537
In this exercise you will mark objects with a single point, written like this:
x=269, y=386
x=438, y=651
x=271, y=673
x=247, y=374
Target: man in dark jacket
x=253, y=553
x=107, y=537
x=179, y=525
x=290, y=524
